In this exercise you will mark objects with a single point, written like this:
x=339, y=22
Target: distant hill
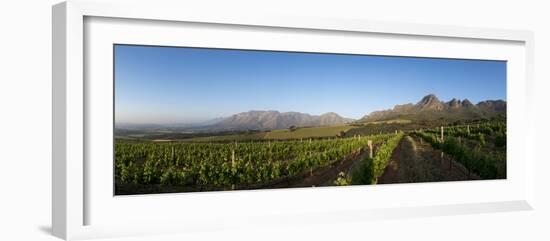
x=272, y=120
x=431, y=108
x=428, y=109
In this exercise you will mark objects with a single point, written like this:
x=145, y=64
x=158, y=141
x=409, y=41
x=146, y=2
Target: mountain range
x=431, y=108
x=271, y=120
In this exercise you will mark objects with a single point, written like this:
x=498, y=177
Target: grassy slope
x=229, y=138
x=284, y=134
x=434, y=115
x=309, y=132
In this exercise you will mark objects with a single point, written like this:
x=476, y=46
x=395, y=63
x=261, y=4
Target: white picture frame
x=74, y=199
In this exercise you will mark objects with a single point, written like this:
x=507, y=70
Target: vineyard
x=185, y=166
x=143, y=166
x=480, y=148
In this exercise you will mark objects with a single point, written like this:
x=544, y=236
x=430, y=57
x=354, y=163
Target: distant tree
x=293, y=128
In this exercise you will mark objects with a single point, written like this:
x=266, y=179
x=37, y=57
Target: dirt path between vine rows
x=323, y=176
x=416, y=161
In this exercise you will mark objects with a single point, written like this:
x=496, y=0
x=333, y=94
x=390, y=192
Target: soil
x=416, y=161
x=412, y=161
x=323, y=176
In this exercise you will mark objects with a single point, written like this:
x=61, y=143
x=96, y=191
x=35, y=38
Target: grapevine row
x=221, y=166
x=487, y=161
x=371, y=169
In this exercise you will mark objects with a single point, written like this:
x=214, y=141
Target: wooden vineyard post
x=420, y=140
x=310, y=168
x=369, y=143
x=468, y=129
x=441, y=160
x=172, y=157
x=233, y=166
x=233, y=159
x=442, y=140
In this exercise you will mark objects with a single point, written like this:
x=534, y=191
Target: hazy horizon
x=173, y=85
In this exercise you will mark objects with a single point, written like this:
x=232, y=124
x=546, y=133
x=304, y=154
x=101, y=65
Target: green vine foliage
x=369, y=169
x=222, y=166
x=486, y=164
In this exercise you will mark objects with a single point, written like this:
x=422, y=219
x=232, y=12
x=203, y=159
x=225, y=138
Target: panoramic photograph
x=192, y=119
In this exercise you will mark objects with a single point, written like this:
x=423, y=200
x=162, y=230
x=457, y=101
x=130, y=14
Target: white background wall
x=25, y=119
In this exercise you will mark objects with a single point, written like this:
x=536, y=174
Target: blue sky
x=186, y=85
